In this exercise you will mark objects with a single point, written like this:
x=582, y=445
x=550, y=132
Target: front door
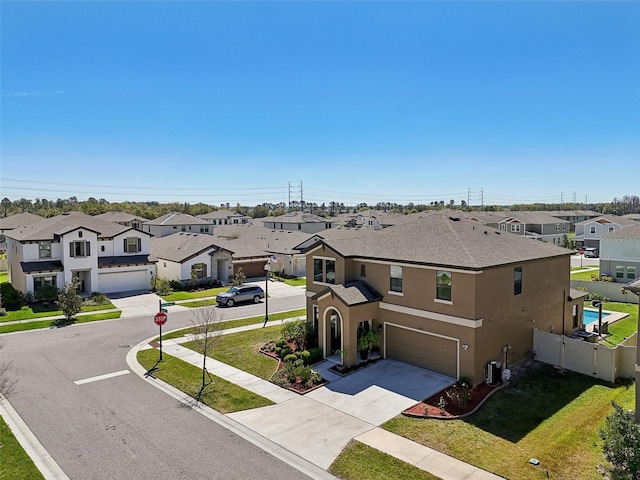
x=335, y=333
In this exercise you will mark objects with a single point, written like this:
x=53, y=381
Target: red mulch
x=429, y=407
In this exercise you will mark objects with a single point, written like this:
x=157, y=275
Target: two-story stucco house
x=297, y=221
x=177, y=222
x=620, y=254
x=588, y=232
x=536, y=225
x=226, y=217
x=446, y=294
x=106, y=257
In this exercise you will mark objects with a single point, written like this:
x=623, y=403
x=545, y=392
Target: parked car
x=239, y=294
x=591, y=252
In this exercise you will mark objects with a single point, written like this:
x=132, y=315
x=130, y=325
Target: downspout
x=564, y=308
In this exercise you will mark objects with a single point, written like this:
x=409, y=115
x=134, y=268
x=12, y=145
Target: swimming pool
x=591, y=316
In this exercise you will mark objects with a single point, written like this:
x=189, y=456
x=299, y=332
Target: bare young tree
x=207, y=328
x=8, y=377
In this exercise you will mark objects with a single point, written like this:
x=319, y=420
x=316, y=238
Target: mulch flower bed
x=429, y=407
x=297, y=385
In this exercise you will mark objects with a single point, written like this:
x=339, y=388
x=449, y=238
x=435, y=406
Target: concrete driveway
x=318, y=425
x=138, y=303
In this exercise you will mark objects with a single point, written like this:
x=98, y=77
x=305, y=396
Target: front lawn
x=545, y=414
x=242, y=350
x=183, y=295
x=37, y=310
x=585, y=276
x=220, y=395
x=361, y=462
x=4, y=276
x=14, y=462
x=294, y=282
x=20, y=327
x=622, y=328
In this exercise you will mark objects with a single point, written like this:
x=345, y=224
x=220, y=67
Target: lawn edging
x=225, y=421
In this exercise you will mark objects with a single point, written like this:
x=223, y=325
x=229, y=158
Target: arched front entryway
x=333, y=325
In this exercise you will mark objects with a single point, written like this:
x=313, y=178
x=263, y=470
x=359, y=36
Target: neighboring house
x=105, y=257
x=297, y=221
x=635, y=288
x=446, y=294
x=620, y=254
x=226, y=217
x=123, y=218
x=191, y=257
x=15, y=221
x=535, y=225
x=574, y=216
x=367, y=219
x=632, y=216
x=253, y=245
x=588, y=233
x=177, y=222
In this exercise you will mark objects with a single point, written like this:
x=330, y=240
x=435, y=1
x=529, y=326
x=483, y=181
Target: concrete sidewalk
x=351, y=407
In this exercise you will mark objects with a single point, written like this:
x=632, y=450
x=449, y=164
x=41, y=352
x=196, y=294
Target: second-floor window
x=324, y=270
x=204, y=229
x=395, y=278
x=515, y=227
x=592, y=230
x=79, y=249
x=517, y=280
x=45, y=250
x=631, y=272
x=443, y=285
x=132, y=244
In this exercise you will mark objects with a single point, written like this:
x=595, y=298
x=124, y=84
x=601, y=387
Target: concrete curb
x=41, y=458
x=259, y=441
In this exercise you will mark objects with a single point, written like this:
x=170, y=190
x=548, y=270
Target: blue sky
x=360, y=101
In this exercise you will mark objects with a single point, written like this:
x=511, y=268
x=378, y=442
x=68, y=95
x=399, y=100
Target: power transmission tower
x=301, y=198
x=289, y=196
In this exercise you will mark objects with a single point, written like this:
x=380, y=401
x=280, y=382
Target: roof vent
x=453, y=219
x=497, y=232
x=486, y=233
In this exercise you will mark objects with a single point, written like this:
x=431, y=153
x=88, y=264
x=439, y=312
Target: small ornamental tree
x=621, y=444
x=69, y=300
x=238, y=278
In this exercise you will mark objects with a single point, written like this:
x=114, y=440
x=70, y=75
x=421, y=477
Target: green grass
x=546, y=414
x=4, y=276
x=242, y=350
x=242, y=322
x=220, y=395
x=210, y=292
x=15, y=464
x=40, y=311
x=20, y=327
x=361, y=462
x=294, y=282
x=585, y=276
x=622, y=328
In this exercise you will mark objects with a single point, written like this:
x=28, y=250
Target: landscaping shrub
x=290, y=358
x=99, y=298
x=12, y=299
x=621, y=444
x=303, y=355
x=315, y=355
x=162, y=286
x=47, y=293
x=176, y=286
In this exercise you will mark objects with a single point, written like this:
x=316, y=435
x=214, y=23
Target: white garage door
x=422, y=349
x=124, y=281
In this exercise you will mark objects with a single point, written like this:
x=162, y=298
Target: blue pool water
x=590, y=316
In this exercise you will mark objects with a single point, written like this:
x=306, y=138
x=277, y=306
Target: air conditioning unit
x=493, y=372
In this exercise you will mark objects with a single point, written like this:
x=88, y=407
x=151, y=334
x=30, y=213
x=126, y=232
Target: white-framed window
x=558, y=227
x=443, y=285
x=515, y=227
x=503, y=226
x=79, y=248
x=395, y=278
x=611, y=229
x=44, y=250
x=198, y=270
x=631, y=272
x=592, y=230
x=324, y=270
x=132, y=244
x=619, y=271
x=204, y=229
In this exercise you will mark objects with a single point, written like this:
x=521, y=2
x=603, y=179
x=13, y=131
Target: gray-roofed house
x=177, y=222
x=535, y=225
x=192, y=257
x=18, y=220
x=226, y=217
x=620, y=254
x=588, y=232
x=446, y=294
x=297, y=221
x=106, y=257
x=123, y=218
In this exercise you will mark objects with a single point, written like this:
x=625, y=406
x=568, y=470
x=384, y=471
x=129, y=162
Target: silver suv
x=241, y=293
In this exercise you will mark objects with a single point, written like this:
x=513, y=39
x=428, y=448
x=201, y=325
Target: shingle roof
x=261, y=238
x=352, y=293
x=53, y=265
x=48, y=228
x=631, y=231
x=19, y=220
x=609, y=218
x=181, y=246
x=575, y=294
x=296, y=217
x=440, y=240
x=221, y=214
x=175, y=218
x=118, y=217
x=633, y=286
x=125, y=260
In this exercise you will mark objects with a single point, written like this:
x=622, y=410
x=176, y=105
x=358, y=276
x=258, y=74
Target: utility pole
x=468, y=198
x=482, y=198
x=301, y=198
x=289, y=196
x=561, y=200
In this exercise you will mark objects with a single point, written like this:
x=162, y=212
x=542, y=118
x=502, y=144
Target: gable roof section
x=49, y=228
x=118, y=217
x=352, y=293
x=604, y=219
x=440, y=240
x=296, y=217
x=632, y=231
x=175, y=218
x=181, y=246
x=261, y=238
x=19, y=220
x=221, y=214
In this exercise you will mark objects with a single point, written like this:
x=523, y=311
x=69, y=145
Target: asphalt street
x=121, y=427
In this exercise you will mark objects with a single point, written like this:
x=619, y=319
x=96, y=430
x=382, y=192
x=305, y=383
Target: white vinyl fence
x=585, y=357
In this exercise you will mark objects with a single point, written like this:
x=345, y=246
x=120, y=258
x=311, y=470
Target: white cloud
x=34, y=93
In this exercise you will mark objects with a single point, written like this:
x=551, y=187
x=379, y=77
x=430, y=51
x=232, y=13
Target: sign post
x=160, y=319
x=581, y=255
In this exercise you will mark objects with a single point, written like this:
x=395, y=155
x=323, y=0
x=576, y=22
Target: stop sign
x=581, y=251
x=160, y=318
